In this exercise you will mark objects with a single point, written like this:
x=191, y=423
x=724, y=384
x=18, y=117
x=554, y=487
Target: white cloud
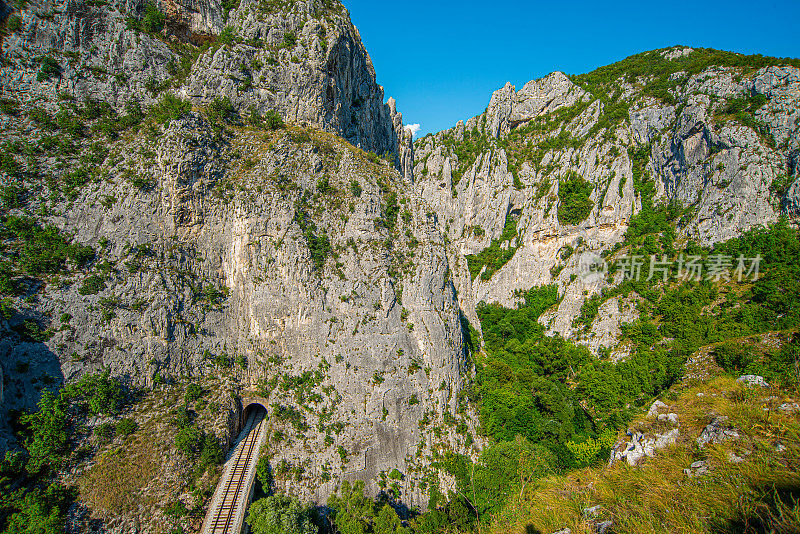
x=413, y=128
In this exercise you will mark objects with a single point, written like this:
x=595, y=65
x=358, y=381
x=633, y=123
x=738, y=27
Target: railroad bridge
x=226, y=513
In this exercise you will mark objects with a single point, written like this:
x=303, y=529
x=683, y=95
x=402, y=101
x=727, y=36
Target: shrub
x=170, y=108
x=573, y=194
x=188, y=441
x=289, y=39
x=210, y=452
x=49, y=68
x=324, y=186
x=193, y=392
x=70, y=123
x=39, y=250
x=228, y=35
x=9, y=106
x=220, y=110
x=92, y=285
x=127, y=426
x=14, y=23
x=273, y=120
x=176, y=509
x=42, y=118
x=8, y=164
x=105, y=432
x=264, y=473
x=228, y=6
x=152, y=20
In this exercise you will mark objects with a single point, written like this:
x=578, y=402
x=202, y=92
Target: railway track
x=234, y=490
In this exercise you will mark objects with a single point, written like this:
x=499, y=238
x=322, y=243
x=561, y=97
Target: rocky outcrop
x=717, y=431
x=272, y=258
x=306, y=61
x=641, y=446
x=753, y=380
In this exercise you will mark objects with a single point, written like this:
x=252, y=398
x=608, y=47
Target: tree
x=353, y=513
x=264, y=473
x=388, y=522
x=41, y=512
x=49, y=435
x=280, y=514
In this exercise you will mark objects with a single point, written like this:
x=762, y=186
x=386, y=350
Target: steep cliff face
x=287, y=261
x=304, y=59
x=715, y=135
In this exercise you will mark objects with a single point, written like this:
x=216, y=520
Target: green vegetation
x=197, y=446
x=193, y=393
x=355, y=188
x=544, y=398
x=48, y=428
x=743, y=110
x=264, y=474
x=170, y=108
x=13, y=23
x=273, y=120
x=318, y=244
x=654, y=70
x=152, y=20
x=521, y=383
x=92, y=285
x=353, y=513
x=495, y=256
x=281, y=514
x=573, y=194
x=390, y=211
x=467, y=151
x=49, y=68
x=289, y=39
x=126, y=427
x=30, y=249
x=758, y=494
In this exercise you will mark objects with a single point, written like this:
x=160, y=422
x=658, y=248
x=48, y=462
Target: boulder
x=655, y=408
x=696, y=469
x=753, y=380
x=717, y=431
x=640, y=446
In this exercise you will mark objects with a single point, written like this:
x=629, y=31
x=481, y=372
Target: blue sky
x=442, y=59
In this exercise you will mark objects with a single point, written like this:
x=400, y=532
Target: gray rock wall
x=725, y=171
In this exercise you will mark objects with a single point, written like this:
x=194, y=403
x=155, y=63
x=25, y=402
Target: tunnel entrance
x=250, y=406
x=259, y=409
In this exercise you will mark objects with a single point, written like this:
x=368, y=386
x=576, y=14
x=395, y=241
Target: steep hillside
x=718, y=455
x=215, y=191
x=551, y=176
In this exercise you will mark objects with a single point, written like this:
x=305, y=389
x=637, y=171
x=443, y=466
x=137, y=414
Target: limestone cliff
x=716, y=135
x=298, y=263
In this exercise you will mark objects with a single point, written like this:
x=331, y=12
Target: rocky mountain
x=712, y=134
x=216, y=193
x=292, y=259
